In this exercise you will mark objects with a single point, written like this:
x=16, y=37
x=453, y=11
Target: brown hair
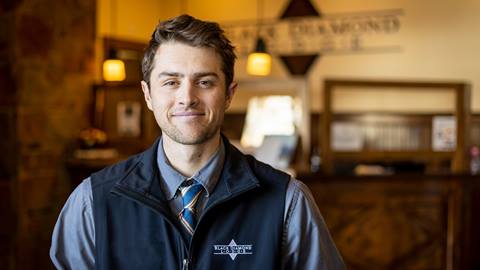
x=193, y=32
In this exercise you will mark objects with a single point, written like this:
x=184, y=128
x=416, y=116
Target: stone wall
x=8, y=159
x=46, y=73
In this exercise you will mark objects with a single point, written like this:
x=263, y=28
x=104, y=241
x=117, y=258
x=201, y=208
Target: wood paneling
x=402, y=222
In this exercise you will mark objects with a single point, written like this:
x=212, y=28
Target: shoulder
x=300, y=204
x=116, y=171
x=262, y=168
x=79, y=204
x=299, y=191
x=246, y=167
x=82, y=195
x=308, y=244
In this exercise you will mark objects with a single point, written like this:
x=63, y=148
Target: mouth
x=187, y=114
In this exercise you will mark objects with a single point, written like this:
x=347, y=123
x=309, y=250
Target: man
x=191, y=201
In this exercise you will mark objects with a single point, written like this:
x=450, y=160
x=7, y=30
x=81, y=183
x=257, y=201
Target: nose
x=187, y=95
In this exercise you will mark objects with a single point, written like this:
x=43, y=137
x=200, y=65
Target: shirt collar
x=207, y=176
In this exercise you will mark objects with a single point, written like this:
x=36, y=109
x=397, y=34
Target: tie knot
x=190, y=191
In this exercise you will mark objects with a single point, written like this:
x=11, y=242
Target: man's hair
x=193, y=32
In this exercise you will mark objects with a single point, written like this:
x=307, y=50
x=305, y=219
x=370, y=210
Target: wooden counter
x=402, y=221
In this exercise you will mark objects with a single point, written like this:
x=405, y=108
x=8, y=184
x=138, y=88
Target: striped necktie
x=190, y=195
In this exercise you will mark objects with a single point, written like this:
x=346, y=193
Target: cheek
x=219, y=106
x=160, y=104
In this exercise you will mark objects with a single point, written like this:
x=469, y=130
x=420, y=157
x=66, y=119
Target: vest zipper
x=151, y=203
x=185, y=264
x=222, y=200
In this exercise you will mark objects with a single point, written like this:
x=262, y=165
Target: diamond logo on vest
x=232, y=250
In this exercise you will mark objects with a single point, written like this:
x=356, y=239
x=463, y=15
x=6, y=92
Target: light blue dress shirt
x=207, y=176
x=306, y=242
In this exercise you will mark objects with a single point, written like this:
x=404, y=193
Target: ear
x=146, y=95
x=232, y=88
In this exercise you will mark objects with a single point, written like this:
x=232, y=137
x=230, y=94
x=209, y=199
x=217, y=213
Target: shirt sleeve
x=306, y=244
x=73, y=238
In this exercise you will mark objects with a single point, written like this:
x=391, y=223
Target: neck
x=189, y=159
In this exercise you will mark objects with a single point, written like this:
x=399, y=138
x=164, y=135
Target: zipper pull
x=185, y=264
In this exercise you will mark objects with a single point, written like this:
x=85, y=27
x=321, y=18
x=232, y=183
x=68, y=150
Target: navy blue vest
x=241, y=227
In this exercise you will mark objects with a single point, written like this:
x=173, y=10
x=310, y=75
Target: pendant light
x=113, y=67
x=259, y=62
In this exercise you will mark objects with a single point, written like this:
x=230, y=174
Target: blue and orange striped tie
x=190, y=195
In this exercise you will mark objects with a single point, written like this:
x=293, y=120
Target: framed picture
x=121, y=112
x=129, y=118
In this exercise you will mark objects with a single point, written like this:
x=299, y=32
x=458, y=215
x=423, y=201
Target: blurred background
x=375, y=105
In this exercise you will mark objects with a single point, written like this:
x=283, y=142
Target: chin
x=189, y=137
x=188, y=140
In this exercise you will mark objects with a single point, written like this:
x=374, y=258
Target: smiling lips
x=187, y=114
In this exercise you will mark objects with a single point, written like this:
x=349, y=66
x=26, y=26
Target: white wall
x=440, y=41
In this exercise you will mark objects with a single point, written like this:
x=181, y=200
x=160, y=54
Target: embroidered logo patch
x=232, y=250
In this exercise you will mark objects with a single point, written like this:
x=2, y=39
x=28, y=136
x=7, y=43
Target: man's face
x=187, y=92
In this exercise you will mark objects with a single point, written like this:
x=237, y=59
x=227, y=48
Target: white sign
x=444, y=133
x=328, y=34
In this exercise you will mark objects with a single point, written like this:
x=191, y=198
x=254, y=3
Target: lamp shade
x=114, y=70
x=259, y=62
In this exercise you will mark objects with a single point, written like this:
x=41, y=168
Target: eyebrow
x=180, y=75
x=170, y=74
x=205, y=74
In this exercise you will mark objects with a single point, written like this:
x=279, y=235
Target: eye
x=205, y=83
x=170, y=83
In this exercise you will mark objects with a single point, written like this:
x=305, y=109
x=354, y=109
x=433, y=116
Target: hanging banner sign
x=329, y=34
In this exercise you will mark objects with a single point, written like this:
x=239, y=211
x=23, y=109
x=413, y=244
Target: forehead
x=180, y=57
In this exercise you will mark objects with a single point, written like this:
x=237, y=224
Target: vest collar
x=236, y=176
